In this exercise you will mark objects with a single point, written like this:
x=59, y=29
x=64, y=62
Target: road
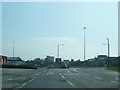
x=15, y=77
x=74, y=78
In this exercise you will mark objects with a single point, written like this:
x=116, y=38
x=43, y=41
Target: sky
x=38, y=27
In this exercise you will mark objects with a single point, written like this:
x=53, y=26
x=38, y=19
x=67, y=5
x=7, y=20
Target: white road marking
x=68, y=71
x=71, y=83
x=50, y=73
x=98, y=77
x=112, y=73
x=116, y=78
x=24, y=78
x=114, y=82
x=10, y=79
x=75, y=70
x=34, y=77
x=71, y=74
x=61, y=75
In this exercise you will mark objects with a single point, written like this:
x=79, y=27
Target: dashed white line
x=24, y=78
x=61, y=75
x=68, y=71
x=75, y=70
x=98, y=77
x=71, y=83
x=116, y=78
x=28, y=82
x=113, y=81
x=112, y=73
x=10, y=79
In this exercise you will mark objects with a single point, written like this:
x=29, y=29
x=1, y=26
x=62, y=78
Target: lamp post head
x=107, y=38
x=84, y=28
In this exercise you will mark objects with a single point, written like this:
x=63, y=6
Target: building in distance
x=58, y=61
x=15, y=60
x=49, y=59
x=3, y=59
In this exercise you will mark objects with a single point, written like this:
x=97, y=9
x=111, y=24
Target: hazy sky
x=37, y=29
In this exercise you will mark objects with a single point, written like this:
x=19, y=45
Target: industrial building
x=3, y=59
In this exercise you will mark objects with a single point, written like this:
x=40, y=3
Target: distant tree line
x=95, y=63
x=78, y=63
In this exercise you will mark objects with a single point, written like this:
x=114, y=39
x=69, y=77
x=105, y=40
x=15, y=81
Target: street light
x=13, y=49
x=84, y=43
x=58, y=49
x=108, y=47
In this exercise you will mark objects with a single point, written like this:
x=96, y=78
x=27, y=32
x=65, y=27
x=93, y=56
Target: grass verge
x=18, y=66
x=113, y=68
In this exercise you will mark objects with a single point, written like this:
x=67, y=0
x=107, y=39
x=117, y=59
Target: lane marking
x=75, y=74
x=32, y=78
x=28, y=81
x=98, y=77
x=112, y=73
x=61, y=75
x=10, y=79
x=116, y=78
x=75, y=70
x=24, y=78
x=68, y=71
x=71, y=83
x=114, y=82
x=50, y=73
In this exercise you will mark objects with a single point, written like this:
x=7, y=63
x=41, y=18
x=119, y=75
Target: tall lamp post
x=13, y=49
x=84, y=43
x=58, y=49
x=108, y=47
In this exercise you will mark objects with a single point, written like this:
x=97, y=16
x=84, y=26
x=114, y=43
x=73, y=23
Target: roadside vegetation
x=113, y=68
x=18, y=66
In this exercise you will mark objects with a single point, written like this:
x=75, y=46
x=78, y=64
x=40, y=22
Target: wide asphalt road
x=74, y=78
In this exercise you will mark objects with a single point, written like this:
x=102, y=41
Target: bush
x=18, y=66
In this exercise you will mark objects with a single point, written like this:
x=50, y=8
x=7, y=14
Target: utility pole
x=84, y=43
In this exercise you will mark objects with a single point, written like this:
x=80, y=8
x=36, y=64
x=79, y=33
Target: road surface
x=74, y=78
x=15, y=77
